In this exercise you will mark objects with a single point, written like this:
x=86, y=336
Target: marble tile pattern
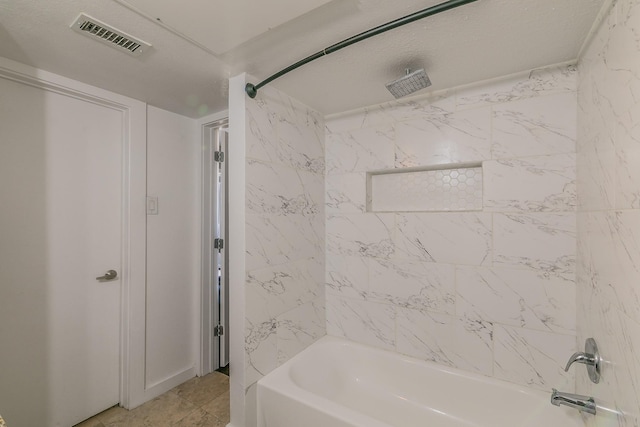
x=285, y=234
x=199, y=402
x=490, y=290
x=608, y=233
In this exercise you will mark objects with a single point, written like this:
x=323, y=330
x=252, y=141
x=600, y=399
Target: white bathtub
x=336, y=383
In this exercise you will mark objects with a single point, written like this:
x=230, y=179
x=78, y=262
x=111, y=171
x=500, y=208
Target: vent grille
x=91, y=27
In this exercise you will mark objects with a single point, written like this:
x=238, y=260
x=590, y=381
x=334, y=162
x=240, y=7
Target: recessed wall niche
x=434, y=189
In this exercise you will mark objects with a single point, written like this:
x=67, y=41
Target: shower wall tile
x=444, y=139
x=436, y=103
x=627, y=193
x=299, y=328
x=613, y=239
x=597, y=245
x=608, y=240
x=345, y=123
x=360, y=151
x=446, y=339
x=285, y=132
x=365, y=235
x=278, y=289
x=285, y=231
x=261, y=127
x=539, y=82
x=532, y=184
x=417, y=285
x=433, y=104
x=261, y=355
x=273, y=189
x=346, y=193
x=535, y=126
x=541, y=241
x=598, y=185
x=284, y=126
x=620, y=381
x=584, y=262
x=301, y=142
x=309, y=123
x=476, y=290
x=347, y=276
x=275, y=239
x=533, y=358
x=515, y=297
x=361, y=321
x=439, y=237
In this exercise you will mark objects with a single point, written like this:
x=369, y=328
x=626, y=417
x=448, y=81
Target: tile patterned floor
x=200, y=402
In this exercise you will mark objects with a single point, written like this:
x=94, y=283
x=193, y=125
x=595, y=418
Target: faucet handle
x=580, y=357
x=590, y=357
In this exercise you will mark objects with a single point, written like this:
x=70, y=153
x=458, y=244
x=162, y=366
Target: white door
x=221, y=260
x=61, y=192
x=215, y=282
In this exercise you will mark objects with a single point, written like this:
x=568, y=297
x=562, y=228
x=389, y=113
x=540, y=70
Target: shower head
x=411, y=82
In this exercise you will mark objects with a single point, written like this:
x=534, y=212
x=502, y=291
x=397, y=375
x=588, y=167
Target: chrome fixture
x=409, y=83
x=576, y=401
x=590, y=357
x=109, y=275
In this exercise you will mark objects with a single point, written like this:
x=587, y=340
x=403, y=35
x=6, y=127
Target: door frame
x=207, y=346
x=133, y=250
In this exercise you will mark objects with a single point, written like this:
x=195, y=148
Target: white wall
x=608, y=269
x=236, y=246
x=489, y=291
x=23, y=289
x=173, y=246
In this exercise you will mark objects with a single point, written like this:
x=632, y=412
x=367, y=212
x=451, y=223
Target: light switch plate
x=152, y=205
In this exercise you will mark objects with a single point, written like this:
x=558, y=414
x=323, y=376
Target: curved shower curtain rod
x=252, y=90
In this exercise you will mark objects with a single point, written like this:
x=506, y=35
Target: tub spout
x=576, y=401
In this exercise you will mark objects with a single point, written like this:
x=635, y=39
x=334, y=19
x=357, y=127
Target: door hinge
x=218, y=156
x=218, y=244
x=218, y=331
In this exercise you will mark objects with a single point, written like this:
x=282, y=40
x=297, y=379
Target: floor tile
x=91, y=422
x=199, y=418
x=201, y=390
x=200, y=402
x=219, y=407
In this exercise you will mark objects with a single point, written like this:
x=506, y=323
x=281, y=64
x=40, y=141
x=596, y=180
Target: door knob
x=109, y=275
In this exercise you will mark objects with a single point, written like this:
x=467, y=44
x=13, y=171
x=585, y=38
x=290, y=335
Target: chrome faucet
x=580, y=357
x=590, y=357
x=576, y=401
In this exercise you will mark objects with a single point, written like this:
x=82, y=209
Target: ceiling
x=199, y=44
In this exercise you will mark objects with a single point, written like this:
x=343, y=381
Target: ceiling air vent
x=91, y=27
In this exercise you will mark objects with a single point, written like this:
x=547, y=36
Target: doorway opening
x=215, y=281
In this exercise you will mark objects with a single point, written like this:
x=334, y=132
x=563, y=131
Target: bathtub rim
x=281, y=382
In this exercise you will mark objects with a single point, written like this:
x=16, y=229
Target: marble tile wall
x=608, y=260
x=490, y=291
x=284, y=287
